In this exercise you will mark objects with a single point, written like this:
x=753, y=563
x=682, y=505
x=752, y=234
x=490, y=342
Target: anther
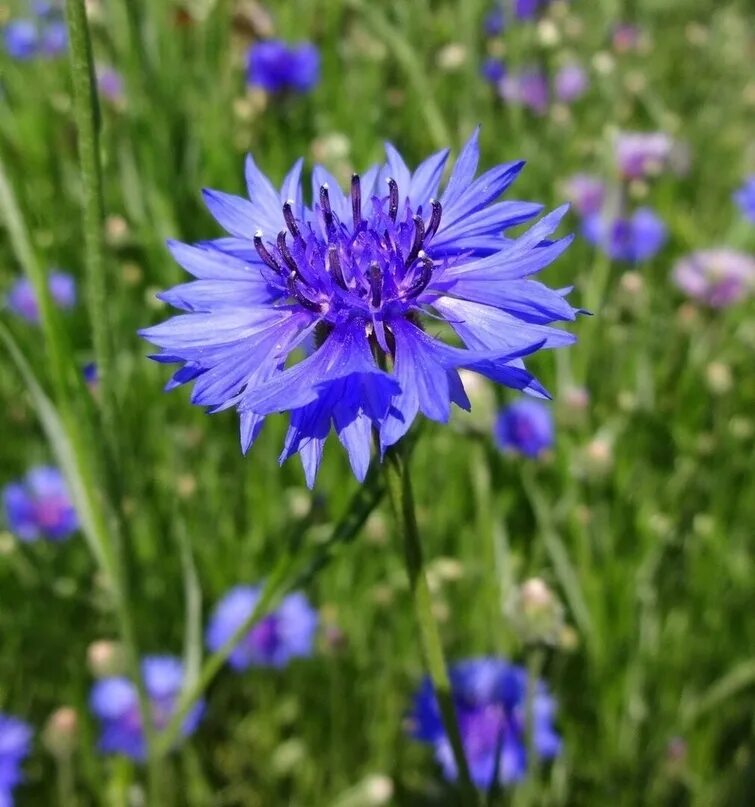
x=264, y=254
x=288, y=215
x=286, y=253
x=327, y=211
x=376, y=283
x=392, y=198
x=356, y=200
x=432, y=227
x=425, y=275
x=296, y=293
x=334, y=262
x=419, y=237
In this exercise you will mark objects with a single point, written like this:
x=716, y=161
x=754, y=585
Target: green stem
x=402, y=503
x=528, y=792
x=86, y=113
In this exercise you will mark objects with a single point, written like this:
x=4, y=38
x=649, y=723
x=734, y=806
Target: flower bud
x=61, y=732
x=536, y=613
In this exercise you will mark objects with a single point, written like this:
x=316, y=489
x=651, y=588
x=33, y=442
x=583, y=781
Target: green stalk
x=86, y=114
x=402, y=502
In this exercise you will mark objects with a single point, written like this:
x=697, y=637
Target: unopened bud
x=536, y=613
x=105, y=658
x=61, y=732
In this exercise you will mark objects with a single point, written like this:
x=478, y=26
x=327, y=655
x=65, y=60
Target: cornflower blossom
x=745, y=198
x=287, y=633
x=493, y=70
x=634, y=238
x=639, y=155
x=626, y=37
x=15, y=745
x=275, y=66
x=586, y=192
x=570, y=82
x=490, y=698
x=495, y=21
x=22, y=299
x=360, y=271
x=528, y=88
x=110, y=85
x=115, y=702
x=718, y=277
x=525, y=427
x=39, y=506
x=45, y=34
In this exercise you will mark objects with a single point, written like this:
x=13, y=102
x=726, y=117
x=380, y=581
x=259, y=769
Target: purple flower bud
x=718, y=277
x=570, y=83
x=39, y=506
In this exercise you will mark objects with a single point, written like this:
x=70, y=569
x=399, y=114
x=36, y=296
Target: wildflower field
x=378, y=408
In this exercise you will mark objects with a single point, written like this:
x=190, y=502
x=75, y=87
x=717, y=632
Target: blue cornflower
x=495, y=21
x=640, y=155
x=115, y=702
x=287, y=633
x=359, y=271
x=525, y=426
x=586, y=192
x=39, y=506
x=718, y=277
x=493, y=70
x=15, y=745
x=570, y=82
x=626, y=238
x=276, y=66
x=489, y=695
x=43, y=35
x=529, y=9
x=22, y=299
x=745, y=198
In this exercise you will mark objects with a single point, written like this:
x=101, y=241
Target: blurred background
x=634, y=511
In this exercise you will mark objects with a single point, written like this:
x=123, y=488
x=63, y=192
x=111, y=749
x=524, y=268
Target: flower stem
x=402, y=502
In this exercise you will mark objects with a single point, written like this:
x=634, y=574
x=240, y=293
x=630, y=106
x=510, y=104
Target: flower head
x=495, y=21
x=21, y=39
x=361, y=271
x=110, y=85
x=528, y=88
x=15, y=745
x=276, y=66
x=717, y=277
x=586, y=192
x=39, y=506
x=115, y=702
x=287, y=633
x=643, y=154
x=489, y=695
x=745, y=198
x=22, y=299
x=493, y=70
x=43, y=35
x=525, y=426
x=570, y=82
x=626, y=238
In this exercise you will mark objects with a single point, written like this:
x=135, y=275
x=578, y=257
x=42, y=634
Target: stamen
x=432, y=227
x=288, y=215
x=334, y=262
x=296, y=292
x=425, y=275
x=264, y=254
x=392, y=198
x=419, y=237
x=376, y=283
x=286, y=253
x=356, y=200
x=327, y=211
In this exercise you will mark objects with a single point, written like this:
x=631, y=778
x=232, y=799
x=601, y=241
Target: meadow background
x=641, y=519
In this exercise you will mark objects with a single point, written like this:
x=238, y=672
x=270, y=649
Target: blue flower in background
x=359, y=270
x=22, y=298
x=626, y=238
x=495, y=21
x=44, y=35
x=39, y=506
x=528, y=88
x=287, y=633
x=21, y=39
x=493, y=70
x=586, y=192
x=489, y=695
x=718, y=277
x=640, y=155
x=15, y=745
x=115, y=702
x=525, y=426
x=745, y=198
x=276, y=66
x=570, y=82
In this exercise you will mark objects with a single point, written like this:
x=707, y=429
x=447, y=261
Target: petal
x=234, y=214
x=212, y=264
x=426, y=179
x=463, y=171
